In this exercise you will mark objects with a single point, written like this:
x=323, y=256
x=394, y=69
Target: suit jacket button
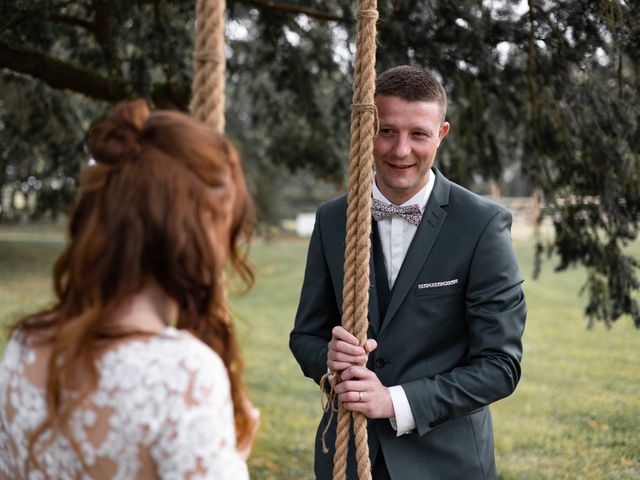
x=380, y=363
x=433, y=425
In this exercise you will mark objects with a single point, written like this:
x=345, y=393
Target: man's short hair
x=412, y=84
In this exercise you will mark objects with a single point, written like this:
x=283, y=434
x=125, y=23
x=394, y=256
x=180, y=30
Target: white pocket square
x=445, y=283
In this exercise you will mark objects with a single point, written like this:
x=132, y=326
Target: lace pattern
x=162, y=408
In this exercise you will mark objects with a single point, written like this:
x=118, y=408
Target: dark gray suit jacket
x=451, y=335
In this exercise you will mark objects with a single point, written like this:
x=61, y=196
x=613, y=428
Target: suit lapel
x=426, y=234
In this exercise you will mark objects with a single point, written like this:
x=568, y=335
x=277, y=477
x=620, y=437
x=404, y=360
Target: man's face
x=406, y=146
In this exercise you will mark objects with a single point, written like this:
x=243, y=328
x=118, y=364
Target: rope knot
x=367, y=107
x=368, y=14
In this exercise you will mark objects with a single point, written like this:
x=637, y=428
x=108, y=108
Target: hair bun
x=115, y=139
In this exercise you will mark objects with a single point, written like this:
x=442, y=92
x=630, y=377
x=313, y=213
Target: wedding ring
x=360, y=399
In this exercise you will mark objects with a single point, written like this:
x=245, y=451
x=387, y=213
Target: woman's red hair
x=165, y=200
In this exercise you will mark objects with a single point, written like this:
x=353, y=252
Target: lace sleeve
x=11, y=355
x=197, y=441
x=5, y=468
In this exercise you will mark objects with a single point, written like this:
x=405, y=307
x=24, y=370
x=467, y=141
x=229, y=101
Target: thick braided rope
x=358, y=243
x=207, y=89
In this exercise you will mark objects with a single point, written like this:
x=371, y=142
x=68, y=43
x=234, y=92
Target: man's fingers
x=350, y=397
x=344, y=351
x=344, y=347
x=361, y=407
x=338, y=366
x=355, y=372
x=370, y=345
x=338, y=361
x=341, y=334
x=347, y=386
x=343, y=357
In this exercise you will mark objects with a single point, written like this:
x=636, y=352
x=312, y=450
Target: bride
x=134, y=373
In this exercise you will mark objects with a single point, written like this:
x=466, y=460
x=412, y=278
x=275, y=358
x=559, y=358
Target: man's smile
x=400, y=167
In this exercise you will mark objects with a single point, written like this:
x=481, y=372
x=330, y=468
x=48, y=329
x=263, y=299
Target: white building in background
x=305, y=223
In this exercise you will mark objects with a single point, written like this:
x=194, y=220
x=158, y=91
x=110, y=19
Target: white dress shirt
x=396, y=235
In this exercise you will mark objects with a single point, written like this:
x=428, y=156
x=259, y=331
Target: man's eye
x=386, y=131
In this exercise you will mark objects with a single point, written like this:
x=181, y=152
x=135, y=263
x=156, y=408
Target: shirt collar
x=421, y=197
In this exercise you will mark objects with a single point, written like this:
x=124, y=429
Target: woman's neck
x=149, y=310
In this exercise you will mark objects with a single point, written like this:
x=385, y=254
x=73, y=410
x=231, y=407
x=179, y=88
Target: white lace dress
x=162, y=409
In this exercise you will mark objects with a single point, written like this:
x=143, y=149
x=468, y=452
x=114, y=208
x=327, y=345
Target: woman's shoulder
x=194, y=356
x=17, y=352
x=162, y=379
x=184, y=344
x=169, y=345
x=173, y=357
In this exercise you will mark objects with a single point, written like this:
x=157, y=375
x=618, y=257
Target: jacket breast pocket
x=448, y=287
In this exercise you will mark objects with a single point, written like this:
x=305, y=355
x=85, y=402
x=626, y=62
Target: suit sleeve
x=495, y=315
x=317, y=311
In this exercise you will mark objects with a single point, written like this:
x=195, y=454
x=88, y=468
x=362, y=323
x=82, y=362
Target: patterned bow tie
x=411, y=213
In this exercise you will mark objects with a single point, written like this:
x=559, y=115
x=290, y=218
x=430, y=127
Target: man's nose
x=401, y=148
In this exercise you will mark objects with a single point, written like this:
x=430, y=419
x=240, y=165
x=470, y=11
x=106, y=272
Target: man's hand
x=344, y=350
x=360, y=390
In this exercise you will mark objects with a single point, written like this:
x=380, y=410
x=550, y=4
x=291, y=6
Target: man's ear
x=444, y=129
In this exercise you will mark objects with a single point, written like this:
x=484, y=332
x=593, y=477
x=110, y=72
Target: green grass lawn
x=575, y=414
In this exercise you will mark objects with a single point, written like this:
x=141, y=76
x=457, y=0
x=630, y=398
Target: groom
x=446, y=309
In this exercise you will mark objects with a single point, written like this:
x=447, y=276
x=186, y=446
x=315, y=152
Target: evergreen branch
x=292, y=9
x=61, y=74
x=43, y=15
x=72, y=76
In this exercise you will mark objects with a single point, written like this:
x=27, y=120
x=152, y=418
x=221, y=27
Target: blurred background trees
x=544, y=99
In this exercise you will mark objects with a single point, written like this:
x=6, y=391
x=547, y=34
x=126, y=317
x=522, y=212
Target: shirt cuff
x=403, y=422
